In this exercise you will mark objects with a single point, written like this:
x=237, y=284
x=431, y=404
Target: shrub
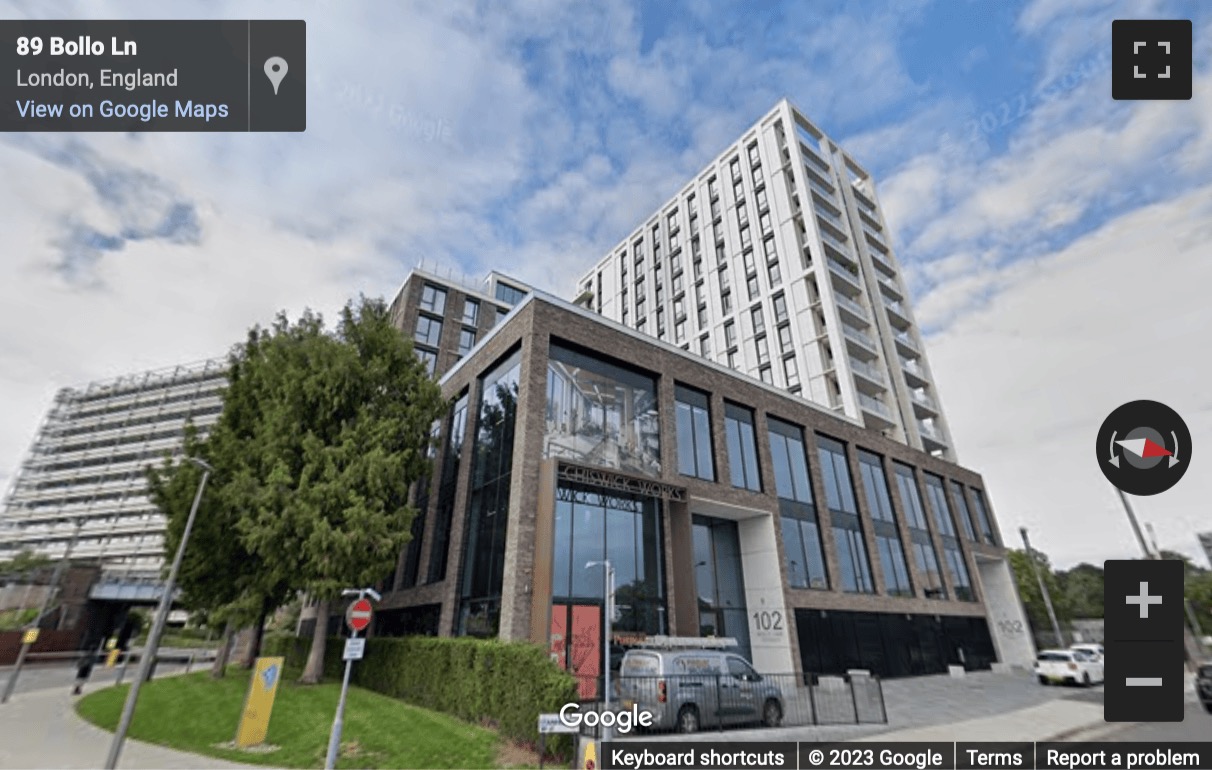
x=507, y=684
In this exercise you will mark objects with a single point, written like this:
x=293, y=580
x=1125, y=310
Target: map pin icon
x=275, y=70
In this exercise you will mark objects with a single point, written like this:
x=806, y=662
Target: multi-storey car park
x=776, y=261
x=83, y=482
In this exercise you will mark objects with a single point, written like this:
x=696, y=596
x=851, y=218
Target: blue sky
x=1030, y=210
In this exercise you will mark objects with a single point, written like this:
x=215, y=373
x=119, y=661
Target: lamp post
x=1043, y=589
x=153, y=636
x=607, y=632
x=37, y=621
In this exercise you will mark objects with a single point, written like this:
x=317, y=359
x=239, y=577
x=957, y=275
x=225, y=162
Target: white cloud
x=1120, y=315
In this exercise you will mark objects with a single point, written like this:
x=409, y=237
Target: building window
x=791, y=371
x=775, y=274
x=471, y=312
x=679, y=330
x=759, y=322
x=726, y=302
x=433, y=299
x=694, y=434
x=883, y=519
x=797, y=511
x=429, y=358
x=785, y=343
x=601, y=413
x=982, y=516
x=961, y=510
x=765, y=375
x=920, y=542
x=847, y=529
x=730, y=334
x=780, y=308
x=501, y=313
x=702, y=316
x=429, y=331
x=488, y=501
x=444, y=513
x=742, y=448
x=705, y=346
x=510, y=295
x=762, y=349
x=938, y=501
x=467, y=341
x=760, y=197
x=751, y=284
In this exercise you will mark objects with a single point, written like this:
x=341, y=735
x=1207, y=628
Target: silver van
x=688, y=689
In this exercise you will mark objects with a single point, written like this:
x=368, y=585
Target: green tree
x=25, y=561
x=219, y=578
x=1082, y=589
x=1029, y=592
x=325, y=432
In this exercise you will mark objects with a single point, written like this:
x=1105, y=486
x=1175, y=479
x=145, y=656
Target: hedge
x=506, y=684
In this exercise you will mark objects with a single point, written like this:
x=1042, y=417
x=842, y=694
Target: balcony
x=864, y=199
x=906, y=342
x=876, y=408
x=890, y=286
x=814, y=154
x=849, y=278
x=915, y=375
x=857, y=311
x=832, y=219
x=931, y=434
x=898, y=314
x=875, y=240
x=883, y=261
x=863, y=345
x=924, y=401
x=869, y=377
x=820, y=188
x=870, y=218
x=838, y=246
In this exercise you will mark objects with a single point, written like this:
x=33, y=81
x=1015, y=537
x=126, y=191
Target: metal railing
x=852, y=306
x=868, y=371
x=874, y=405
x=722, y=701
x=837, y=267
x=859, y=337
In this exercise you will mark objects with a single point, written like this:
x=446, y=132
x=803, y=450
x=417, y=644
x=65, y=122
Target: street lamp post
x=37, y=621
x=608, y=635
x=153, y=636
x=1043, y=589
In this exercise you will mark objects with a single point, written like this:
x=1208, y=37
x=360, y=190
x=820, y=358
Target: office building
x=728, y=507
x=776, y=261
x=83, y=480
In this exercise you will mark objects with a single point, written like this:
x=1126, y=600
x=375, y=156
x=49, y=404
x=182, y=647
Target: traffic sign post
x=358, y=618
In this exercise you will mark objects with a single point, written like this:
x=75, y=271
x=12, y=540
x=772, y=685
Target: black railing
x=693, y=702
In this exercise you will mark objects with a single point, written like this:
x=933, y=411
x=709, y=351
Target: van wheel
x=1208, y=706
x=688, y=720
x=772, y=713
x=1086, y=680
x=1043, y=680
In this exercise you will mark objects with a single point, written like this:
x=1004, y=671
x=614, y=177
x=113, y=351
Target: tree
x=1082, y=589
x=325, y=433
x=24, y=562
x=219, y=578
x=1029, y=592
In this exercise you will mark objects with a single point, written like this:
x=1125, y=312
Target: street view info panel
x=631, y=384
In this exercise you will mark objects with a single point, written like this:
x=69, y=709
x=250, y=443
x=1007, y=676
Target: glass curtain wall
x=919, y=533
x=694, y=433
x=952, y=554
x=742, y=447
x=601, y=414
x=444, y=513
x=883, y=519
x=847, y=528
x=488, y=508
x=720, y=581
x=797, y=511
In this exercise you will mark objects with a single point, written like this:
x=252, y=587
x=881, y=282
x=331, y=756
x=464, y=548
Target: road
x=46, y=676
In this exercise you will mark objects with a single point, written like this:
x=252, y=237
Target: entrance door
x=720, y=581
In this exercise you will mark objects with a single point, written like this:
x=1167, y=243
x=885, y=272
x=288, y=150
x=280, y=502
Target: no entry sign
x=359, y=614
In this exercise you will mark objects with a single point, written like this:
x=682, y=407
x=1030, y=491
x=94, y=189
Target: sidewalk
x=1053, y=720
x=41, y=730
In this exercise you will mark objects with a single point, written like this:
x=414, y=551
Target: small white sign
x=355, y=647
x=551, y=723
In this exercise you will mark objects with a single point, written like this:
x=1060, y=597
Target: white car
x=1068, y=667
x=1095, y=650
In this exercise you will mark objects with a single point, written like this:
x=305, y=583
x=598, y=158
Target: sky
x=1052, y=238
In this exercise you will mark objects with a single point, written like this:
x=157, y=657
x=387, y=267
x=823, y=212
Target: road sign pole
x=338, y=722
x=358, y=619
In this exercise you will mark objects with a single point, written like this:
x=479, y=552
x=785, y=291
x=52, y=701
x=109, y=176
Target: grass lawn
x=195, y=713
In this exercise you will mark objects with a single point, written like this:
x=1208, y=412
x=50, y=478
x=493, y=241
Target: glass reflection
x=591, y=525
x=601, y=414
